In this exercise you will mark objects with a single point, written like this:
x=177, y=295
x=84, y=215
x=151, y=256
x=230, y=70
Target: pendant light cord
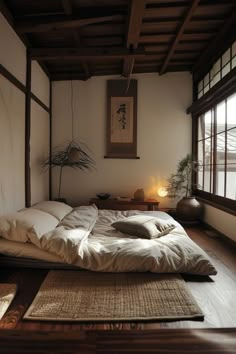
x=72, y=111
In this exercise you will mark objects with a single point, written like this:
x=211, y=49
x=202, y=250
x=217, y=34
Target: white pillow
x=26, y=224
x=57, y=209
x=143, y=226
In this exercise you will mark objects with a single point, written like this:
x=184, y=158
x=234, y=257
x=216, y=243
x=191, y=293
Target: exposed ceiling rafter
x=91, y=38
x=178, y=35
x=67, y=6
x=84, y=53
x=32, y=27
x=133, y=33
x=135, y=22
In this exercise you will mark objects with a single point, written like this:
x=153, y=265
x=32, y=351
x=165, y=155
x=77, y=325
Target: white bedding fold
x=86, y=239
x=66, y=241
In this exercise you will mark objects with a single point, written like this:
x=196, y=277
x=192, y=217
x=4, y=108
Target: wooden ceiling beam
x=84, y=53
x=135, y=22
x=179, y=34
x=133, y=33
x=73, y=75
x=68, y=9
x=32, y=27
x=86, y=69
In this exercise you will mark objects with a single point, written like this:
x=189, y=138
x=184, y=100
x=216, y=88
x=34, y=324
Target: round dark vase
x=189, y=210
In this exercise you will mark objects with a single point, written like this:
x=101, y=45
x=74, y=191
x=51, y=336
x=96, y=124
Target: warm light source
x=162, y=192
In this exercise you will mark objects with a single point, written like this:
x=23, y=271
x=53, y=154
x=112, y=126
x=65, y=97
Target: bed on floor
x=53, y=235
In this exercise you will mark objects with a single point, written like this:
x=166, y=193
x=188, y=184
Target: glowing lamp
x=162, y=192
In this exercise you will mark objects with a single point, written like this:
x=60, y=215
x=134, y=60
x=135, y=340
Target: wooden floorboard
x=215, y=295
x=204, y=341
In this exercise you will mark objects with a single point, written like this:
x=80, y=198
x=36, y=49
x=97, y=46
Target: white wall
x=221, y=221
x=39, y=138
x=12, y=121
x=12, y=51
x=164, y=135
x=12, y=147
x=39, y=151
x=12, y=125
x=40, y=84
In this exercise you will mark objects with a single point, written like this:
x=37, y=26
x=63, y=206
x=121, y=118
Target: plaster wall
x=79, y=111
x=38, y=153
x=221, y=221
x=12, y=125
x=12, y=147
x=40, y=84
x=12, y=51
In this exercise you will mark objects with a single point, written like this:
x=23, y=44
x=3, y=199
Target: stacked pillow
x=32, y=223
x=57, y=209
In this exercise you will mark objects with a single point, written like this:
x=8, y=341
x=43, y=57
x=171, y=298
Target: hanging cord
x=72, y=110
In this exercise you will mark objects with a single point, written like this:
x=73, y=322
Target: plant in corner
x=188, y=209
x=73, y=155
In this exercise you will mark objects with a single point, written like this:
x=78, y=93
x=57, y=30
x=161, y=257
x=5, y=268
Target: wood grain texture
x=208, y=341
x=215, y=295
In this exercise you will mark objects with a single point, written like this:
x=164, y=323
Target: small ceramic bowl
x=103, y=195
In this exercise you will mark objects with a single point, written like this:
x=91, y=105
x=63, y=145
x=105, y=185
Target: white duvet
x=85, y=238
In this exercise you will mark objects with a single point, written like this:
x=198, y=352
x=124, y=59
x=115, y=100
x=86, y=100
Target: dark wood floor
x=216, y=296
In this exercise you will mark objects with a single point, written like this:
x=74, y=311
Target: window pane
x=208, y=152
x=220, y=117
x=211, y=77
x=212, y=73
x=216, y=67
x=234, y=62
x=200, y=94
x=231, y=182
x=226, y=57
x=200, y=178
x=207, y=178
x=206, y=79
x=226, y=70
x=234, y=49
x=207, y=120
x=200, y=85
x=231, y=146
x=200, y=152
x=216, y=78
x=200, y=128
x=231, y=111
x=220, y=148
x=220, y=180
x=206, y=88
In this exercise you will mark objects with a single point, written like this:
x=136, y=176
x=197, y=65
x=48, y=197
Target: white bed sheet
x=102, y=248
x=27, y=250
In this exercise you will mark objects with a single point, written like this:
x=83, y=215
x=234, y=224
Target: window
x=216, y=150
x=219, y=69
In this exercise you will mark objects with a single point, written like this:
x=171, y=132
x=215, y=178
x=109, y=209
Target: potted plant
x=73, y=155
x=188, y=209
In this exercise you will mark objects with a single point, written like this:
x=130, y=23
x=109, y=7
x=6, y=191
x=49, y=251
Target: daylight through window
x=216, y=149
